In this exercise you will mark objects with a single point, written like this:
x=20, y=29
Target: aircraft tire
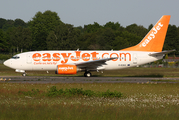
x=23, y=74
x=87, y=74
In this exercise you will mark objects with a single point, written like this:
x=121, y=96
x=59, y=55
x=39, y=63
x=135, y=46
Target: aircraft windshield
x=15, y=57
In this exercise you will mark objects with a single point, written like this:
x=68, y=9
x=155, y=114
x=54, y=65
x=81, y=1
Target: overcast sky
x=84, y=12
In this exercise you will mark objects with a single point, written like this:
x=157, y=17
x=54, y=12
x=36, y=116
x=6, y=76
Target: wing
x=161, y=53
x=91, y=65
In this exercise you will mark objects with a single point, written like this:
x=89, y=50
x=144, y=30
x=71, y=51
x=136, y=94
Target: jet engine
x=67, y=69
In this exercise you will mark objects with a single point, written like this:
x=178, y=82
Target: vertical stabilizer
x=155, y=38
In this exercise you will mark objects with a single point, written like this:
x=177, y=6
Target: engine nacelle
x=66, y=69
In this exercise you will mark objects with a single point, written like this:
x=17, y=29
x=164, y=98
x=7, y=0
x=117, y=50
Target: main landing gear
x=87, y=74
x=24, y=74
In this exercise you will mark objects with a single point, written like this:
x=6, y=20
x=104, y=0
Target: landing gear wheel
x=87, y=74
x=24, y=74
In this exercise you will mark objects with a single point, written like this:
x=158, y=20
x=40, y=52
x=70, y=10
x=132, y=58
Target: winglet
x=154, y=40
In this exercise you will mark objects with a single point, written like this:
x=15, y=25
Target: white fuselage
x=48, y=60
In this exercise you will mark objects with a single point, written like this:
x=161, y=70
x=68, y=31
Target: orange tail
x=154, y=40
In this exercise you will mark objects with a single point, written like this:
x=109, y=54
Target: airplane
x=71, y=62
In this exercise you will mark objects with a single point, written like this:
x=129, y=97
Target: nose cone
x=7, y=63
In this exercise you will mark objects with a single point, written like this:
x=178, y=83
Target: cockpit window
x=15, y=57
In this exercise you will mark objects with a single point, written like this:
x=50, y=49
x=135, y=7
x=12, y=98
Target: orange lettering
x=77, y=56
x=86, y=56
x=36, y=56
x=104, y=54
x=65, y=57
x=125, y=56
x=114, y=54
x=56, y=56
x=94, y=55
x=46, y=57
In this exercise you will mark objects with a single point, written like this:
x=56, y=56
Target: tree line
x=46, y=31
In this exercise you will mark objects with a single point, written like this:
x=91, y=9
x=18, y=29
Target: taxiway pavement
x=53, y=80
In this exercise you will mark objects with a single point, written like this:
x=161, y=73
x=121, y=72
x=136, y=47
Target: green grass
x=73, y=92
x=139, y=101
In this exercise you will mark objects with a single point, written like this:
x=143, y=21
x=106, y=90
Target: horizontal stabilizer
x=161, y=53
